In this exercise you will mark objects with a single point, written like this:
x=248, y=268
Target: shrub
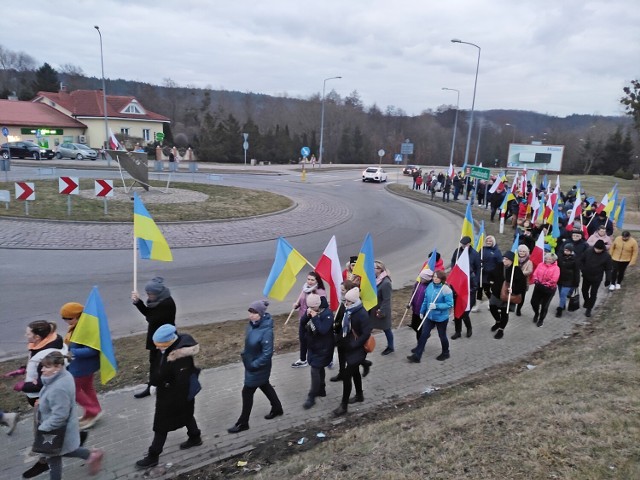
x=623, y=174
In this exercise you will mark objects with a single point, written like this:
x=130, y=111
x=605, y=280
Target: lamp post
x=455, y=123
x=513, y=138
x=104, y=99
x=324, y=85
x=473, y=103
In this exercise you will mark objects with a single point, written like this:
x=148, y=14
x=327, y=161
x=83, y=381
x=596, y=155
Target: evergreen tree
x=46, y=80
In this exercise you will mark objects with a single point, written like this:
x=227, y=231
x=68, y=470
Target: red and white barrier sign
x=25, y=191
x=68, y=185
x=104, y=188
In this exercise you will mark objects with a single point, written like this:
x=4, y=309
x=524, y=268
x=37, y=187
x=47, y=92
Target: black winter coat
x=569, y=271
x=474, y=265
x=354, y=344
x=161, y=314
x=170, y=375
x=593, y=265
x=320, y=341
x=500, y=274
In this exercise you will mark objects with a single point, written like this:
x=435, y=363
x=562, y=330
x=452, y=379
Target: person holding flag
x=417, y=298
x=491, y=259
x=510, y=280
x=313, y=285
x=474, y=282
x=526, y=267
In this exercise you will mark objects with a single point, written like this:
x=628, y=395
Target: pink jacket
x=547, y=275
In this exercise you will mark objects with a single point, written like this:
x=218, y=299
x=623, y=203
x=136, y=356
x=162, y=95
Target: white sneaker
x=10, y=420
x=617, y=286
x=299, y=364
x=612, y=287
x=475, y=308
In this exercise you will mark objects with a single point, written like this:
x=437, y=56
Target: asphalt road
x=216, y=283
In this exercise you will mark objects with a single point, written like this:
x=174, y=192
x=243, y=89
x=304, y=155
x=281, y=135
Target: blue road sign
x=397, y=158
x=305, y=151
x=5, y=131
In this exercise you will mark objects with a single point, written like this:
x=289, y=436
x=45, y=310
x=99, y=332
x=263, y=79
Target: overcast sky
x=550, y=56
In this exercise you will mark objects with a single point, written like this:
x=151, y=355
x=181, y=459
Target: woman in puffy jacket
x=491, y=259
x=569, y=276
x=545, y=279
x=438, y=301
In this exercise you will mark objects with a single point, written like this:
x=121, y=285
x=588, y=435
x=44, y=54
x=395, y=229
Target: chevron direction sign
x=103, y=188
x=25, y=191
x=68, y=185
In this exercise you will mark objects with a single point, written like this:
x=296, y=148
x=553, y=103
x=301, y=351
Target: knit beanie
x=166, y=333
x=509, y=255
x=426, y=274
x=71, y=310
x=259, y=306
x=155, y=286
x=568, y=246
x=600, y=245
x=313, y=300
x=353, y=295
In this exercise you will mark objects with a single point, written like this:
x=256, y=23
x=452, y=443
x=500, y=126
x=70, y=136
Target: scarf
x=166, y=293
x=381, y=277
x=306, y=288
x=44, y=342
x=67, y=337
x=346, y=320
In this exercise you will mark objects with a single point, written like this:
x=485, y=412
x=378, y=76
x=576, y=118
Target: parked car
x=25, y=150
x=77, y=151
x=374, y=174
x=410, y=169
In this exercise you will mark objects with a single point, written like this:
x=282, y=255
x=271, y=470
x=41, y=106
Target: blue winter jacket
x=85, y=360
x=258, y=350
x=320, y=340
x=443, y=301
x=491, y=258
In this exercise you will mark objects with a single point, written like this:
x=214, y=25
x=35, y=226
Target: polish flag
x=451, y=172
x=329, y=269
x=603, y=204
x=114, y=144
x=537, y=255
x=459, y=279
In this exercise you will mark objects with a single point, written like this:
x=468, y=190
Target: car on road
x=77, y=151
x=410, y=169
x=374, y=174
x=25, y=150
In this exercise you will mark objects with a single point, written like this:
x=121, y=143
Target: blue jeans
x=389, y=334
x=563, y=293
x=426, y=333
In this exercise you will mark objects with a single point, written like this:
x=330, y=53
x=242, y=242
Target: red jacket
x=547, y=275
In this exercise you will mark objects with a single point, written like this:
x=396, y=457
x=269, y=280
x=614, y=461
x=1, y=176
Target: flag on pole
x=286, y=266
x=619, y=216
x=498, y=182
x=577, y=208
x=451, y=172
x=151, y=242
x=613, y=200
x=537, y=255
x=555, y=227
x=114, y=144
x=431, y=264
x=365, y=268
x=467, y=223
x=603, y=204
x=329, y=269
x=514, y=249
x=459, y=279
x=92, y=330
x=479, y=241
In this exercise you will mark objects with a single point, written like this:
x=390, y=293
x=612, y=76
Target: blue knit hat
x=259, y=306
x=155, y=286
x=166, y=333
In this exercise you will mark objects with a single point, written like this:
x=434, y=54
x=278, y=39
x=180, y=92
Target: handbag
x=574, y=301
x=194, y=384
x=369, y=345
x=504, y=295
x=49, y=443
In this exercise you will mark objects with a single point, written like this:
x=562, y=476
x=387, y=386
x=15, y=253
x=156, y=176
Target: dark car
x=25, y=150
x=410, y=169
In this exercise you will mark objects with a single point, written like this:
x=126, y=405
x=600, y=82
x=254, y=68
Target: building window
x=134, y=108
x=124, y=131
x=146, y=134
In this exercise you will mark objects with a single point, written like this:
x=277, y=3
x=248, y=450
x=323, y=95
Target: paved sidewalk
x=125, y=431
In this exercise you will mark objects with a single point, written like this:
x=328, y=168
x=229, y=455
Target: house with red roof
x=125, y=115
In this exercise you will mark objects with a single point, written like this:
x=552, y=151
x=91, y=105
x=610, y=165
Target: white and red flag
x=451, y=172
x=329, y=269
x=459, y=279
x=537, y=255
x=114, y=144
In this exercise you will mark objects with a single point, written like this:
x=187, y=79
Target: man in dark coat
x=175, y=403
x=474, y=283
x=497, y=306
x=594, y=263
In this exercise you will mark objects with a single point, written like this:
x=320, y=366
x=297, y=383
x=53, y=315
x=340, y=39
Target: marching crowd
x=59, y=373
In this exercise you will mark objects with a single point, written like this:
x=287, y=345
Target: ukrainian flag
x=151, y=243
x=92, y=330
x=467, y=223
x=479, y=243
x=514, y=249
x=619, y=214
x=287, y=264
x=364, y=267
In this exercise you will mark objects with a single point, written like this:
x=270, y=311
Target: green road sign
x=480, y=172
x=159, y=137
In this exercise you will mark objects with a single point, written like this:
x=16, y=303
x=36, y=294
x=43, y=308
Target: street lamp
x=455, y=123
x=324, y=85
x=473, y=103
x=104, y=99
x=514, y=131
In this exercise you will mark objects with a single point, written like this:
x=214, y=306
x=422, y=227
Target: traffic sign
x=5, y=131
x=406, y=148
x=305, y=151
x=245, y=145
x=381, y=153
x=480, y=172
x=25, y=191
x=159, y=136
x=68, y=185
x=103, y=188
x=397, y=158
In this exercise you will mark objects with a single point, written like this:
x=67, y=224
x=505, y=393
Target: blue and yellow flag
x=286, y=266
x=365, y=268
x=479, y=240
x=619, y=213
x=555, y=226
x=92, y=330
x=514, y=249
x=467, y=223
x=151, y=243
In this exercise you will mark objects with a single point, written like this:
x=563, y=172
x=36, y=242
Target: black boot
x=366, y=365
x=341, y=410
x=535, y=317
x=148, y=461
x=559, y=312
x=191, y=442
x=359, y=397
x=145, y=393
x=37, y=469
x=337, y=378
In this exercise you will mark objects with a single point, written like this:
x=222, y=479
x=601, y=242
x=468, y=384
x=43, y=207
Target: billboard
x=539, y=157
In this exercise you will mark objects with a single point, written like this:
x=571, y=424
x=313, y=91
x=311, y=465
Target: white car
x=374, y=174
x=77, y=151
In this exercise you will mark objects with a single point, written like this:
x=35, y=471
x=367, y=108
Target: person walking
x=624, y=252
x=474, y=281
x=569, y=276
x=526, y=267
x=159, y=310
x=600, y=234
x=380, y=315
x=256, y=356
x=356, y=330
x=594, y=263
x=498, y=306
x=438, y=301
x=491, y=259
x=337, y=331
x=85, y=361
x=313, y=284
x=417, y=298
x=171, y=374
x=319, y=323
x=57, y=409
x=545, y=281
